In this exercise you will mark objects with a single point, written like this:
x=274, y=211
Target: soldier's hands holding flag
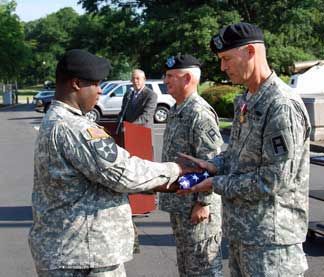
x=200, y=164
x=185, y=166
x=189, y=164
x=204, y=186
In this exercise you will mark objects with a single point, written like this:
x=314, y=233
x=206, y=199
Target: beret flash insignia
x=170, y=62
x=218, y=42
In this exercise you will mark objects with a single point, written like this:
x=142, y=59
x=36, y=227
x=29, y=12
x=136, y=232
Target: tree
x=143, y=33
x=111, y=34
x=14, y=52
x=49, y=38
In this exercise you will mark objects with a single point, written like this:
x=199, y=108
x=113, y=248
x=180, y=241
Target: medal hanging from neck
x=243, y=110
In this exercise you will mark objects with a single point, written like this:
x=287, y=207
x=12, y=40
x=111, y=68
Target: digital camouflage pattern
x=263, y=176
x=199, y=258
x=267, y=261
x=113, y=271
x=82, y=217
x=192, y=128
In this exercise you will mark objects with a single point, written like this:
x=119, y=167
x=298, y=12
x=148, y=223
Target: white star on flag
x=206, y=175
x=195, y=177
x=185, y=184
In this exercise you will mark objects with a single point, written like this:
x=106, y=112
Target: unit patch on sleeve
x=211, y=134
x=279, y=145
x=106, y=149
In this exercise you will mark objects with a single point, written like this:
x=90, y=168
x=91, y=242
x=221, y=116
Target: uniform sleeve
x=278, y=151
x=206, y=142
x=103, y=162
x=149, y=109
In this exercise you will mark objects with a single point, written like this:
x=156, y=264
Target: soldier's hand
x=197, y=164
x=199, y=213
x=167, y=188
x=204, y=186
x=187, y=166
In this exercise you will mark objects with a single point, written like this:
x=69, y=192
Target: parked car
x=42, y=100
x=110, y=102
x=107, y=85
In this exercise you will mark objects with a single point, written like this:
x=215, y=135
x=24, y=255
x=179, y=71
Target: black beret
x=181, y=61
x=84, y=65
x=236, y=35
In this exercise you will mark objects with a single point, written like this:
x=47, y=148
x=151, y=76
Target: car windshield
x=103, y=84
x=108, y=88
x=163, y=88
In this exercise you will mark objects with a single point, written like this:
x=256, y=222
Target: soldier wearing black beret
x=82, y=223
x=86, y=70
x=234, y=36
x=192, y=128
x=263, y=175
x=182, y=61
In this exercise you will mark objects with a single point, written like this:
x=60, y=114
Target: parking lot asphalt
x=18, y=130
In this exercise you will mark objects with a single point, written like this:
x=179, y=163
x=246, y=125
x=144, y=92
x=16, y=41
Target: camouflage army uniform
x=192, y=129
x=82, y=217
x=263, y=178
x=111, y=271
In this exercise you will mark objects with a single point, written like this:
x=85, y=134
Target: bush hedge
x=221, y=98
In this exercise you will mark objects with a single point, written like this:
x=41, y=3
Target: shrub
x=221, y=98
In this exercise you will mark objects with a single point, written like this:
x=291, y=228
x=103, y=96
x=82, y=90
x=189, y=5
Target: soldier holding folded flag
x=263, y=176
x=82, y=218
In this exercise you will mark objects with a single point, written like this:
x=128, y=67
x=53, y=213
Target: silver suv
x=110, y=101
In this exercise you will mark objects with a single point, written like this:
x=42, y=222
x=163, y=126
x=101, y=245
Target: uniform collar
x=71, y=109
x=262, y=89
x=176, y=109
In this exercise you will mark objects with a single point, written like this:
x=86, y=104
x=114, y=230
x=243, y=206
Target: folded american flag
x=189, y=180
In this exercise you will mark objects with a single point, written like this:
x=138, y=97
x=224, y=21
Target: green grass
x=25, y=95
x=30, y=91
x=26, y=92
x=225, y=124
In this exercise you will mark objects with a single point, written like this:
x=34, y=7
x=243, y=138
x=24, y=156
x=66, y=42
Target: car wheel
x=93, y=115
x=161, y=114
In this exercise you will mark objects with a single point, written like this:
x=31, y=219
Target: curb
x=317, y=147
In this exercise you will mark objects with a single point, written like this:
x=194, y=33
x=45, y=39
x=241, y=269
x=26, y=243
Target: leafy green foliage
x=293, y=29
x=14, y=51
x=221, y=98
x=143, y=33
x=49, y=38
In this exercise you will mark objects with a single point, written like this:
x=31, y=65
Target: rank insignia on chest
x=97, y=133
x=243, y=111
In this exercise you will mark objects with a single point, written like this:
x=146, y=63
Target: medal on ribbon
x=243, y=111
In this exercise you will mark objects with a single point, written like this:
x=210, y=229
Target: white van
x=110, y=102
x=311, y=80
